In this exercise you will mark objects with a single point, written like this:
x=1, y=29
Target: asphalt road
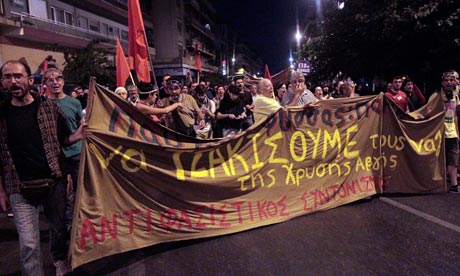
x=389, y=235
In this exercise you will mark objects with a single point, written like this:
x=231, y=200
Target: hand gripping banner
x=142, y=184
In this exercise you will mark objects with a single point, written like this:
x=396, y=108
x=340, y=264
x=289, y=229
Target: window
x=105, y=28
x=116, y=32
x=94, y=26
x=124, y=35
x=68, y=18
x=82, y=22
x=52, y=14
x=60, y=16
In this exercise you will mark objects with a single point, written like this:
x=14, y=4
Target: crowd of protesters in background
x=196, y=109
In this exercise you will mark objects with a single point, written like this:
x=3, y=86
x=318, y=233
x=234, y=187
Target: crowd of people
x=40, y=137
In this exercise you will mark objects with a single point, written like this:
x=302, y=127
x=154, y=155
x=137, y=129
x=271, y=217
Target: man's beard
x=16, y=87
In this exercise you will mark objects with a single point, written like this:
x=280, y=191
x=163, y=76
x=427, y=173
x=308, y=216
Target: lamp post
x=340, y=4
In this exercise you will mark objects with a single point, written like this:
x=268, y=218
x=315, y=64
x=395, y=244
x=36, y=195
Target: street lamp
x=298, y=37
x=340, y=4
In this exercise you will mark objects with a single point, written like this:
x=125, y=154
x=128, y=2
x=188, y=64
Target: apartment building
x=181, y=26
x=30, y=28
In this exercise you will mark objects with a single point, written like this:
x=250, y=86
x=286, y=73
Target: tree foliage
x=382, y=38
x=82, y=64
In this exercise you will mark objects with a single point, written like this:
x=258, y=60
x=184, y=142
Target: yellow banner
x=141, y=184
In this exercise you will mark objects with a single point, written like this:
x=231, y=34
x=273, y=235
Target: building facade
x=31, y=29
x=182, y=28
x=176, y=30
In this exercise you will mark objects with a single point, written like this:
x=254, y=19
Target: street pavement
x=387, y=235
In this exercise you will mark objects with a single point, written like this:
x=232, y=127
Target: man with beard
x=208, y=108
x=182, y=119
x=32, y=131
x=246, y=100
x=133, y=94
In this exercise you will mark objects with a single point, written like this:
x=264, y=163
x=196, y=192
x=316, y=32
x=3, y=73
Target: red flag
x=198, y=62
x=137, y=50
x=122, y=66
x=283, y=75
x=267, y=73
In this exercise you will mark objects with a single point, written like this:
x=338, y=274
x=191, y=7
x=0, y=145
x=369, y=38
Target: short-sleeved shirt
x=450, y=106
x=73, y=114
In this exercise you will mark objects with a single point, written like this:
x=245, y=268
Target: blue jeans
x=26, y=217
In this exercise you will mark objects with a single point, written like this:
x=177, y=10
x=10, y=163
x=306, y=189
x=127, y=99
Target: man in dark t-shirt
x=32, y=131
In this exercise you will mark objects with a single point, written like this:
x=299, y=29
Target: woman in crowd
x=318, y=93
x=280, y=89
x=122, y=92
x=219, y=95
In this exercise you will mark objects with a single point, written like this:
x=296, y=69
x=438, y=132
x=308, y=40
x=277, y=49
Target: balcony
x=42, y=30
x=200, y=27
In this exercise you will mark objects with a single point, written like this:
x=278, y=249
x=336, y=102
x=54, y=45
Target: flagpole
x=150, y=60
x=131, y=77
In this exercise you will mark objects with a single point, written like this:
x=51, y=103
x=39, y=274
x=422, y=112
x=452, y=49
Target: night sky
x=266, y=26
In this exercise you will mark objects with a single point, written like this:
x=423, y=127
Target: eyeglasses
x=16, y=76
x=57, y=79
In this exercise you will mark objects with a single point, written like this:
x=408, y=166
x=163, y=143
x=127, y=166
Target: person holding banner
x=148, y=103
x=32, y=131
x=397, y=96
x=182, y=119
x=73, y=112
x=451, y=136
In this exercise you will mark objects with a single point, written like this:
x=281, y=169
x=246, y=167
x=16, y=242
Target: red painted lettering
x=87, y=231
x=238, y=205
x=283, y=206
x=261, y=210
x=106, y=225
x=130, y=214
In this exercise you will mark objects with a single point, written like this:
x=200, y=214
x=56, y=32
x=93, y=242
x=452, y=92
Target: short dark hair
x=397, y=77
x=238, y=78
x=26, y=66
x=279, y=84
x=234, y=89
x=200, y=89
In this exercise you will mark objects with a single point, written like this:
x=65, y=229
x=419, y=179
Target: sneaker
x=62, y=267
x=455, y=189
